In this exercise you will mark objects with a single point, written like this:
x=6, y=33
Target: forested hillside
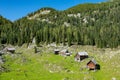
x=5, y=30
x=84, y=24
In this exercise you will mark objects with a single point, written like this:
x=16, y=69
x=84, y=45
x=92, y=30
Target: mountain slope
x=4, y=21
x=84, y=24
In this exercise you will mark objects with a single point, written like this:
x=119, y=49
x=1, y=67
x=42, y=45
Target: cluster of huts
x=64, y=52
x=80, y=56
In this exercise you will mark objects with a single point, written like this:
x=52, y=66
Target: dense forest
x=84, y=24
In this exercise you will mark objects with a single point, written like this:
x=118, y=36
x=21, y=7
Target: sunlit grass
x=47, y=66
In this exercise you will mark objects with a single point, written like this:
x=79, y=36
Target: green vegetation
x=45, y=65
x=93, y=28
x=85, y=24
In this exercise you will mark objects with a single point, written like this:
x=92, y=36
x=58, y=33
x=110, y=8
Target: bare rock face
x=78, y=15
x=45, y=12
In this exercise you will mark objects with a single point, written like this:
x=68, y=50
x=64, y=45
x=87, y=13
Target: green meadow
x=24, y=64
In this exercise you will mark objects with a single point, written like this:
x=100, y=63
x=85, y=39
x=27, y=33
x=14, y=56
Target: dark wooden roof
x=92, y=61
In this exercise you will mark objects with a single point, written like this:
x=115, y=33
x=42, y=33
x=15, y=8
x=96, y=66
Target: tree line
x=101, y=29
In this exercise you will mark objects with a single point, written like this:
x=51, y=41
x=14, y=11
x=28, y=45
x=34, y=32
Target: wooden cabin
x=65, y=53
x=93, y=65
x=56, y=51
x=12, y=50
x=80, y=56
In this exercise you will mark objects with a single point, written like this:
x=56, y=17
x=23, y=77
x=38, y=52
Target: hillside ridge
x=84, y=24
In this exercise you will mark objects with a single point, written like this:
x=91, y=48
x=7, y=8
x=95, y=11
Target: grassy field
x=26, y=65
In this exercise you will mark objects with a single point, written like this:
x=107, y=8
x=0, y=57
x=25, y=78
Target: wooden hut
x=56, y=51
x=80, y=56
x=93, y=65
x=12, y=50
x=65, y=52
